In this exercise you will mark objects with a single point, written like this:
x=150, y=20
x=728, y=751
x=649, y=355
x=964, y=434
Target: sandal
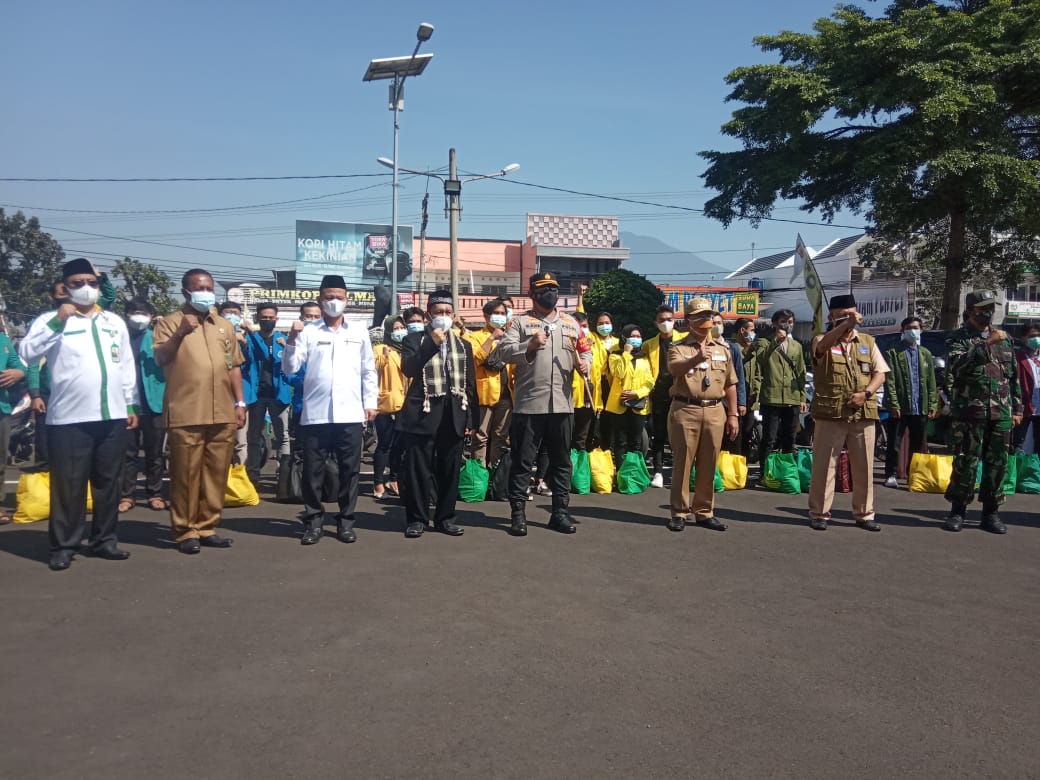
x=391, y=488
x=126, y=504
x=378, y=493
x=157, y=504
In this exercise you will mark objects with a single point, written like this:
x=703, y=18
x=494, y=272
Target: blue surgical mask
x=912, y=336
x=310, y=322
x=634, y=342
x=416, y=327
x=234, y=319
x=398, y=335
x=499, y=320
x=605, y=330
x=1033, y=342
x=202, y=301
x=585, y=332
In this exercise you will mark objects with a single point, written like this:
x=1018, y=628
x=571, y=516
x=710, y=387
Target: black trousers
x=660, y=402
x=779, y=426
x=628, y=434
x=80, y=453
x=431, y=466
x=1018, y=435
x=388, y=452
x=148, y=435
x=584, y=429
x=40, y=442
x=255, y=433
x=341, y=442
x=916, y=424
x=528, y=434
x=742, y=444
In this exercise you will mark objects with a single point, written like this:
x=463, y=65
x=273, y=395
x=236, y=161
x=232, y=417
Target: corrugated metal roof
x=837, y=247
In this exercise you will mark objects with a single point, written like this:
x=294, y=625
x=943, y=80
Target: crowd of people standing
x=194, y=391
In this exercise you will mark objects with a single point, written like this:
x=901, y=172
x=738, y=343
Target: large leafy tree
x=926, y=116
x=629, y=297
x=30, y=261
x=142, y=280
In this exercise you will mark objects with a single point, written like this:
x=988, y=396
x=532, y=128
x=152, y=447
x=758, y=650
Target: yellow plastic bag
x=33, y=497
x=733, y=469
x=930, y=473
x=601, y=463
x=240, y=490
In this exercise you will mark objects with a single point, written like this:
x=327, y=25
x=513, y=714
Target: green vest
x=836, y=378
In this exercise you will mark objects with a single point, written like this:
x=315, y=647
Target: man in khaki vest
x=848, y=369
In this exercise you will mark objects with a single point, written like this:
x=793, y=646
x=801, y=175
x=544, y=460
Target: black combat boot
x=991, y=520
x=955, y=519
x=518, y=517
x=560, y=519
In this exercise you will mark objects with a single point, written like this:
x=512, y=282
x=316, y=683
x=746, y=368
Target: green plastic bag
x=581, y=474
x=633, y=477
x=719, y=486
x=803, y=457
x=1010, y=475
x=1027, y=467
x=781, y=473
x=473, y=481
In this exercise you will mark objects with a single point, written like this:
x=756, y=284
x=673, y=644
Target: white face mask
x=333, y=307
x=666, y=327
x=716, y=331
x=750, y=335
x=443, y=322
x=139, y=322
x=509, y=314
x=84, y=296
x=202, y=301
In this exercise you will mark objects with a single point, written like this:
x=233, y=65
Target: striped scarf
x=437, y=381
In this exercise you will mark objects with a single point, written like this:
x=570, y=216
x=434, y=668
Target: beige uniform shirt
x=707, y=381
x=198, y=380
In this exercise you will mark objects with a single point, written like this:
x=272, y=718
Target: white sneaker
x=543, y=489
x=891, y=482
x=658, y=480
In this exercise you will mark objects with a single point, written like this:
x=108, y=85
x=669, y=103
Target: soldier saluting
x=985, y=403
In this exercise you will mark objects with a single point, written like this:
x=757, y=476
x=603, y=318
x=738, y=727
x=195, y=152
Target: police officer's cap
x=981, y=298
x=544, y=279
x=698, y=305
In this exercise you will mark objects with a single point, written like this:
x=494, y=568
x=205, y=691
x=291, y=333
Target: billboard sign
x=882, y=304
x=359, y=252
x=731, y=303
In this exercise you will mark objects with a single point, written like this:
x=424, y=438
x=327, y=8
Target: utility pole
x=422, y=251
x=453, y=193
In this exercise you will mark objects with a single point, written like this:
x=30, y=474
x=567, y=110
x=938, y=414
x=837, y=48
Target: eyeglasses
x=81, y=283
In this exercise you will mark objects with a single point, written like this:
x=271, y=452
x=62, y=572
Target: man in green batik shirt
x=985, y=403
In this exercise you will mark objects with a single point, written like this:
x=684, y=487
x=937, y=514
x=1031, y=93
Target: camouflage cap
x=980, y=298
x=698, y=305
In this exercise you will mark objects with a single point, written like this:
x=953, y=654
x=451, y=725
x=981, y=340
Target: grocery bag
x=601, y=466
x=473, y=481
x=1028, y=472
x=781, y=473
x=930, y=473
x=33, y=498
x=240, y=490
x=803, y=457
x=732, y=469
x=633, y=476
x=581, y=474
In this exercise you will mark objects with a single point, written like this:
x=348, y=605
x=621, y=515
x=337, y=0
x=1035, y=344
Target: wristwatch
x=240, y=404
x=869, y=394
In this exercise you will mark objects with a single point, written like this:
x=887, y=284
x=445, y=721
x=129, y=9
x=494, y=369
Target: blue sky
x=606, y=97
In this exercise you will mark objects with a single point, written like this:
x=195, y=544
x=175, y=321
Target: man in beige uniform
x=848, y=369
x=703, y=377
x=203, y=407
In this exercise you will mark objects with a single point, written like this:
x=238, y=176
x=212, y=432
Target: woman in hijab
x=631, y=380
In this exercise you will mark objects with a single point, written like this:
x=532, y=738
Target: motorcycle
x=23, y=432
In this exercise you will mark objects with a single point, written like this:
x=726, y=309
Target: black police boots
x=991, y=520
x=518, y=518
x=955, y=519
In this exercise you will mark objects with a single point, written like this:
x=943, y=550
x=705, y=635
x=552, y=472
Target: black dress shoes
x=955, y=519
x=346, y=534
x=414, y=530
x=676, y=524
x=216, y=541
x=562, y=522
x=712, y=524
x=109, y=553
x=818, y=524
x=190, y=547
x=60, y=560
x=991, y=522
x=868, y=525
x=449, y=528
x=312, y=535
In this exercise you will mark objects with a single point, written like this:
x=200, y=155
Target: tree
x=142, y=280
x=30, y=262
x=629, y=297
x=927, y=116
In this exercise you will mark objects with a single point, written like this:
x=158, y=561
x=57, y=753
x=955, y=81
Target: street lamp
x=398, y=69
x=452, y=205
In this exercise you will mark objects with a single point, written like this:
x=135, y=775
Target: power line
x=199, y=178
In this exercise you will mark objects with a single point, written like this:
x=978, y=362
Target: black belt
x=697, y=401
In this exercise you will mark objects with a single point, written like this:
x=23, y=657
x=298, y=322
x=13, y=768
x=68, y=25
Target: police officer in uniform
x=703, y=377
x=848, y=369
x=985, y=403
x=542, y=344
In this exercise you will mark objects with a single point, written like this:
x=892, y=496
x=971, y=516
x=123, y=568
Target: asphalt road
x=622, y=651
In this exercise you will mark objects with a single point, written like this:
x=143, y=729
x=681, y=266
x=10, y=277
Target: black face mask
x=547, y=298
x=266, y=326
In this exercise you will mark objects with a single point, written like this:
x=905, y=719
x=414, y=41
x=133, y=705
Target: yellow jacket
x=489, y=382
x=652, y=350
x=629, y=374
x=599, y=359
x=392, y=382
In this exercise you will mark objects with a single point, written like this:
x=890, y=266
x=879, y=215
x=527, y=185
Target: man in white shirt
x=340, y=392
x=93, y=402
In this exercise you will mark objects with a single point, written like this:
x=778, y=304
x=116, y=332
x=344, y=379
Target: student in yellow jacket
x=586, y=405
x=656, y=350
x=493, y=385
x=392, y=386
x=629, y=401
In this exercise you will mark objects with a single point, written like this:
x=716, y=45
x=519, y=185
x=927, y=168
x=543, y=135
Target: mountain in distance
x=664, y=264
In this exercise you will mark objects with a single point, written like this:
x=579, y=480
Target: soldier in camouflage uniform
x=985, y=405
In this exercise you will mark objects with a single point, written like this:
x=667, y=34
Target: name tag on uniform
x=718, y=357
x=324, y=343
